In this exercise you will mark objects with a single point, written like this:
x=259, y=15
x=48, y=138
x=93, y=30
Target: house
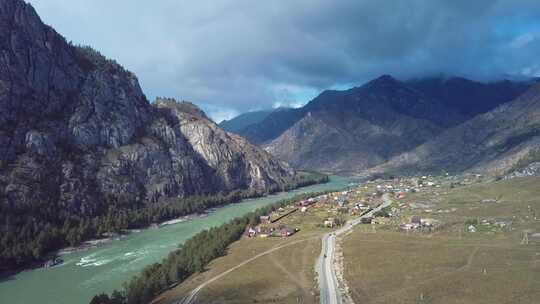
x=264, y=231
x=471, y=229
x=286, y=231
x=265, y=219
x=251, y=232
x=330, y=223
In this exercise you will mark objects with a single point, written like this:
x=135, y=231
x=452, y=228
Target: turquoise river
x=84, y=274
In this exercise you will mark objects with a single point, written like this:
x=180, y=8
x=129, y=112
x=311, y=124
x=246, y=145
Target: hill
x=352, y=130
x=79, y=140
x=493, y=142
x=347, y=131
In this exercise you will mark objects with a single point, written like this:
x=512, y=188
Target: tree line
x=191, y=257
x=30, y=233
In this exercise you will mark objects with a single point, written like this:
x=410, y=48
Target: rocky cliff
x=76, y=130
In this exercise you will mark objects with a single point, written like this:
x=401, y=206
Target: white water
x=103, y=269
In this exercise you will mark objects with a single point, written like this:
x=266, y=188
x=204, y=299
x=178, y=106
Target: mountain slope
x=244, y=120
x=273, y=125
x=492, y=142
x=469, y=97
x=347, y=131
x=78, y=139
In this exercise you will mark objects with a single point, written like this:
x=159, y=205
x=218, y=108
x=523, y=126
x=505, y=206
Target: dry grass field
x=452, y=265
x=447, y=265
x=285, y=275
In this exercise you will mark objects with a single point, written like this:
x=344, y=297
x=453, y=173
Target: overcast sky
x=231, y=56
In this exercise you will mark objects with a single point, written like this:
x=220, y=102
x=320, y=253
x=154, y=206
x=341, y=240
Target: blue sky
x=232, y=56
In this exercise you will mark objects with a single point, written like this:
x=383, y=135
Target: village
x=333, y=209
x=451, y=223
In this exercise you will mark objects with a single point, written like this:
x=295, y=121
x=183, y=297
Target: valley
x=103, y=269
x=352, y=152
x=466, y=240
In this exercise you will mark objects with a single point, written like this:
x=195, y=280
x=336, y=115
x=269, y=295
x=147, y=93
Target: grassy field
x=451, y=265
x=282, y=276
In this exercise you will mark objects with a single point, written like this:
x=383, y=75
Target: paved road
x=328, y=283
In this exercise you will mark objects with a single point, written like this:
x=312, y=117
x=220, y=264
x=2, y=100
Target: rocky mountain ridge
x=353, y=130
x=493, y=142
x=350, y=131
x=77, y=130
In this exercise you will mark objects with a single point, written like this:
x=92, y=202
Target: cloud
x=219, y=114
x=240, y=55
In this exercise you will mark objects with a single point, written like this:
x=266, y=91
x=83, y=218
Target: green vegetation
x=191, y=257
x=30, y=233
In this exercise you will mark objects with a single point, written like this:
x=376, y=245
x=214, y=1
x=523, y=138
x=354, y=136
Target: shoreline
x=96, y=243
x=100, y=242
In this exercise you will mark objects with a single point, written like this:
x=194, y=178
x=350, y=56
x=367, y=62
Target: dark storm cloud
x=238, y=55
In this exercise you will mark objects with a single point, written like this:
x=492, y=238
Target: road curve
x=328, y=282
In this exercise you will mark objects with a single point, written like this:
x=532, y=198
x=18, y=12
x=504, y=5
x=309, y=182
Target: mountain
x=244, y=120
x=496, y=142
x=78, y=137
x=469, y=97
x=352, y=130
x=347, y=131
x=466, y=97
x=272, y=125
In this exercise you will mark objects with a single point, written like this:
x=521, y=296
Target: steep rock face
x=239, y=163
x=77, y=131
x=492, y=142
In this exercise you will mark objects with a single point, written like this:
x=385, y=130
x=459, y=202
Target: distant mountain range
x=494, y=142
x=244, y=120
x=354, y=130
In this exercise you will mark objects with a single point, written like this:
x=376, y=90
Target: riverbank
x=118, y=261
x=90, y=231
x=96, y=243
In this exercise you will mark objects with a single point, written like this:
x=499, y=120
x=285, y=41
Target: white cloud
x=523, y=40
x=219, y=115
